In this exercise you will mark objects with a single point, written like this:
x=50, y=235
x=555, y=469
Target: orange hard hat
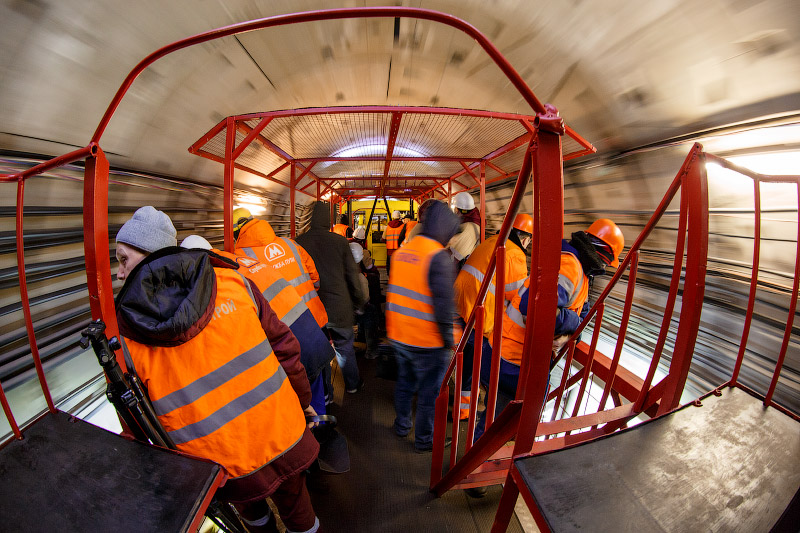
x=608, y=232
x=524, y=222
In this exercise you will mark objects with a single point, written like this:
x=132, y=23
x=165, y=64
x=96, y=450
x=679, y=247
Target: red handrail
x=320, y=15
x=20, y=178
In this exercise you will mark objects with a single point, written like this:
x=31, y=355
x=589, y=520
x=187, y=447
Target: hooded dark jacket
x=339, y=284
x=440, y=224
x=168, y=299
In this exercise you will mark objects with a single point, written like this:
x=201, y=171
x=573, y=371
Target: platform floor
x=386, y=489
x=730, y=465
x=68, y=475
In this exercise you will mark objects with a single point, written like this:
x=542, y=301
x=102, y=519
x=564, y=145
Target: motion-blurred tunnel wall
x=626, y=187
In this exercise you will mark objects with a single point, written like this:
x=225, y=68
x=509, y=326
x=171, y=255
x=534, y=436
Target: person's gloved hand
x=559, y=342
x=309, y=411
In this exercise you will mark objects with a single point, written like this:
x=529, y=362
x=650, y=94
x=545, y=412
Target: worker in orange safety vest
x=342, y=227
x=469, y=281
x=315, y=349
x=223, y=373
x=419, y=322
x=393, y=236
x=256, y=239
x=584, y=256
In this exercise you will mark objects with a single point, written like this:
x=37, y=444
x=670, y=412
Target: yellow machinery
x=361, y=210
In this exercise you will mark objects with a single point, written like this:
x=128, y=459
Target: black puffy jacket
x=339, y=287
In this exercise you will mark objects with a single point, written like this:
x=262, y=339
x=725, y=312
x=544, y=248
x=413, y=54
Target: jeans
x=419, y=371
x=506, y=387
x=345, y=355
x=368, y=326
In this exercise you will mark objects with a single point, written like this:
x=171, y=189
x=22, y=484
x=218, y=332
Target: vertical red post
x=95, y=242
x=548, y=217
x=693, y=286
x=227, y=215
x=23, y=290
x=623, y=329
x=792, y=310
x=497, y=333
x=483, y=201
x=753, y=280
x=477, y=357
x=669, y=306
x=292, y=191
x=587, y=369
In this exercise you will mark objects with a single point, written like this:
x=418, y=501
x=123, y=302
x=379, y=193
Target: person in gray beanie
x=147, y=231
x=184, y=316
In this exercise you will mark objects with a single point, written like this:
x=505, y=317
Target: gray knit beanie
x=148, y=230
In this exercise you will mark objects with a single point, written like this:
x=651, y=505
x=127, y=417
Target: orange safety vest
x=514, y=328
x=282, y=297
x=341, y=229
x=393, y=237
x=223, y=395
x=409, y=302
x=257, y=240
x=471, y=276
x=571, y=278
x=409, y=226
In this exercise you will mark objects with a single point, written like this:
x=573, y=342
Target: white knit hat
x=148, y=230
x=195, y=241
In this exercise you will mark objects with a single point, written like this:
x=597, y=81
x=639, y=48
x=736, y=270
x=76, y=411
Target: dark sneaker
x=447, y=442
x=358, y=387
x=477, y=492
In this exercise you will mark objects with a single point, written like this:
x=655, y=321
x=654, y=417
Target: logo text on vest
x=274, y=251
x=225, y=308
x=405, y=257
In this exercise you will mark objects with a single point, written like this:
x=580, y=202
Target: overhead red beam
x=394, y=129
x=271, y=146
x=387, y=109
x=252, y=171
x=435, y=158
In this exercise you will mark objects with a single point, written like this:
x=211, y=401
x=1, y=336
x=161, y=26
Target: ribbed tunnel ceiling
x=622, y=73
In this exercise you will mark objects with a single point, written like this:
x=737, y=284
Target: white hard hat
x=358, y=251
x=396, y=215
x=464, y=201
x=359, y=233
x=195, y=241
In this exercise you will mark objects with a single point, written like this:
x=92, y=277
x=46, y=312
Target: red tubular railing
x=20, y=179
x=757, y=180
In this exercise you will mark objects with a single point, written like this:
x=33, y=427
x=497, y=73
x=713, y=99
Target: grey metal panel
x=730, y=465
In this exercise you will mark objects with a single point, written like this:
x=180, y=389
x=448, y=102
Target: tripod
x=128, y=396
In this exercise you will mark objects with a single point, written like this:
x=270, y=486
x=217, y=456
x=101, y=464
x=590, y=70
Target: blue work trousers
x=419, y=371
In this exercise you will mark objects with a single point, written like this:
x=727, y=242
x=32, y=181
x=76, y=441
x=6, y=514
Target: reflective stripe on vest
x=393, y=237
x=296, y=274
x=513, y=313
x=409, y=303
x=223, y=395
x=471, y=276
x=282, y=297
x=478, y=275
x=514, y=328
x=578, y=295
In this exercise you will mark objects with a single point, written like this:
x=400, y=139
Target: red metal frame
x=544, y=156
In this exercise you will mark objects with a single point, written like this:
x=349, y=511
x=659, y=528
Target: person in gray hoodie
x=420, y=312
x=339, y=289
